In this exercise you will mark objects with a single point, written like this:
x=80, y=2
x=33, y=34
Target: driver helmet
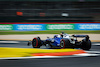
x=62, y=34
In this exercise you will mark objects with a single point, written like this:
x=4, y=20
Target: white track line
x=93, y=51
x=9, y=42
x=98, y=44
x=36, y=57
x=86, y=54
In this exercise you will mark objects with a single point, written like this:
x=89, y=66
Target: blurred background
x=45, y=18
x=39, y=15
x=50, y=11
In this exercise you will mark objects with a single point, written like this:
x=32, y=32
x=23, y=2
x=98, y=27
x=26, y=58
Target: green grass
x=49, y=32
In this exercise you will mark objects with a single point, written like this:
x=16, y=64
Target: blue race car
x=63, y=41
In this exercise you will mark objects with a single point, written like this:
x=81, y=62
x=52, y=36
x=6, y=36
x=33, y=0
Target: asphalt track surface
x=89, y=61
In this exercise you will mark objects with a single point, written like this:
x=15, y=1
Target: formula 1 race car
x=63, y=41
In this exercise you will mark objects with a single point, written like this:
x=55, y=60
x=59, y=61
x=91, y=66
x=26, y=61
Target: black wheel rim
x=62, y=44
x=34, y=42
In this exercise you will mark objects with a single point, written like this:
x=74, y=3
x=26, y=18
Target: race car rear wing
x=86, y=36
x=79, y=35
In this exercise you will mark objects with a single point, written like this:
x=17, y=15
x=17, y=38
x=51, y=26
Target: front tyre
x=36, y=42
x=65, y=43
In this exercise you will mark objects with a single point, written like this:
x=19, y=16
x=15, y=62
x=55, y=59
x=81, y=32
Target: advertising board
x=29, y=27
x=60, y=26
x=92, y=26
x=6, y=27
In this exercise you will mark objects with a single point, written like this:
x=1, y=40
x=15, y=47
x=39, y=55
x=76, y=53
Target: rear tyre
x=65, y=43
x=86, y=44
x=36, y=42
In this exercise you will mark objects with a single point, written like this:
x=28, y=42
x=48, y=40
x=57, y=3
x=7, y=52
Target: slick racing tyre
x=86, y=45
x=65, y=43
x=36, y=42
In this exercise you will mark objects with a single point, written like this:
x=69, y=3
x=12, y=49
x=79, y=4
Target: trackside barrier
x=60, y=26
x=40, y=27
x=6, y=26
x=29, y=27
x=87, y=26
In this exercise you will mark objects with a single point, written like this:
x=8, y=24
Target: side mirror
x=29, y=42
x=48, y=37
